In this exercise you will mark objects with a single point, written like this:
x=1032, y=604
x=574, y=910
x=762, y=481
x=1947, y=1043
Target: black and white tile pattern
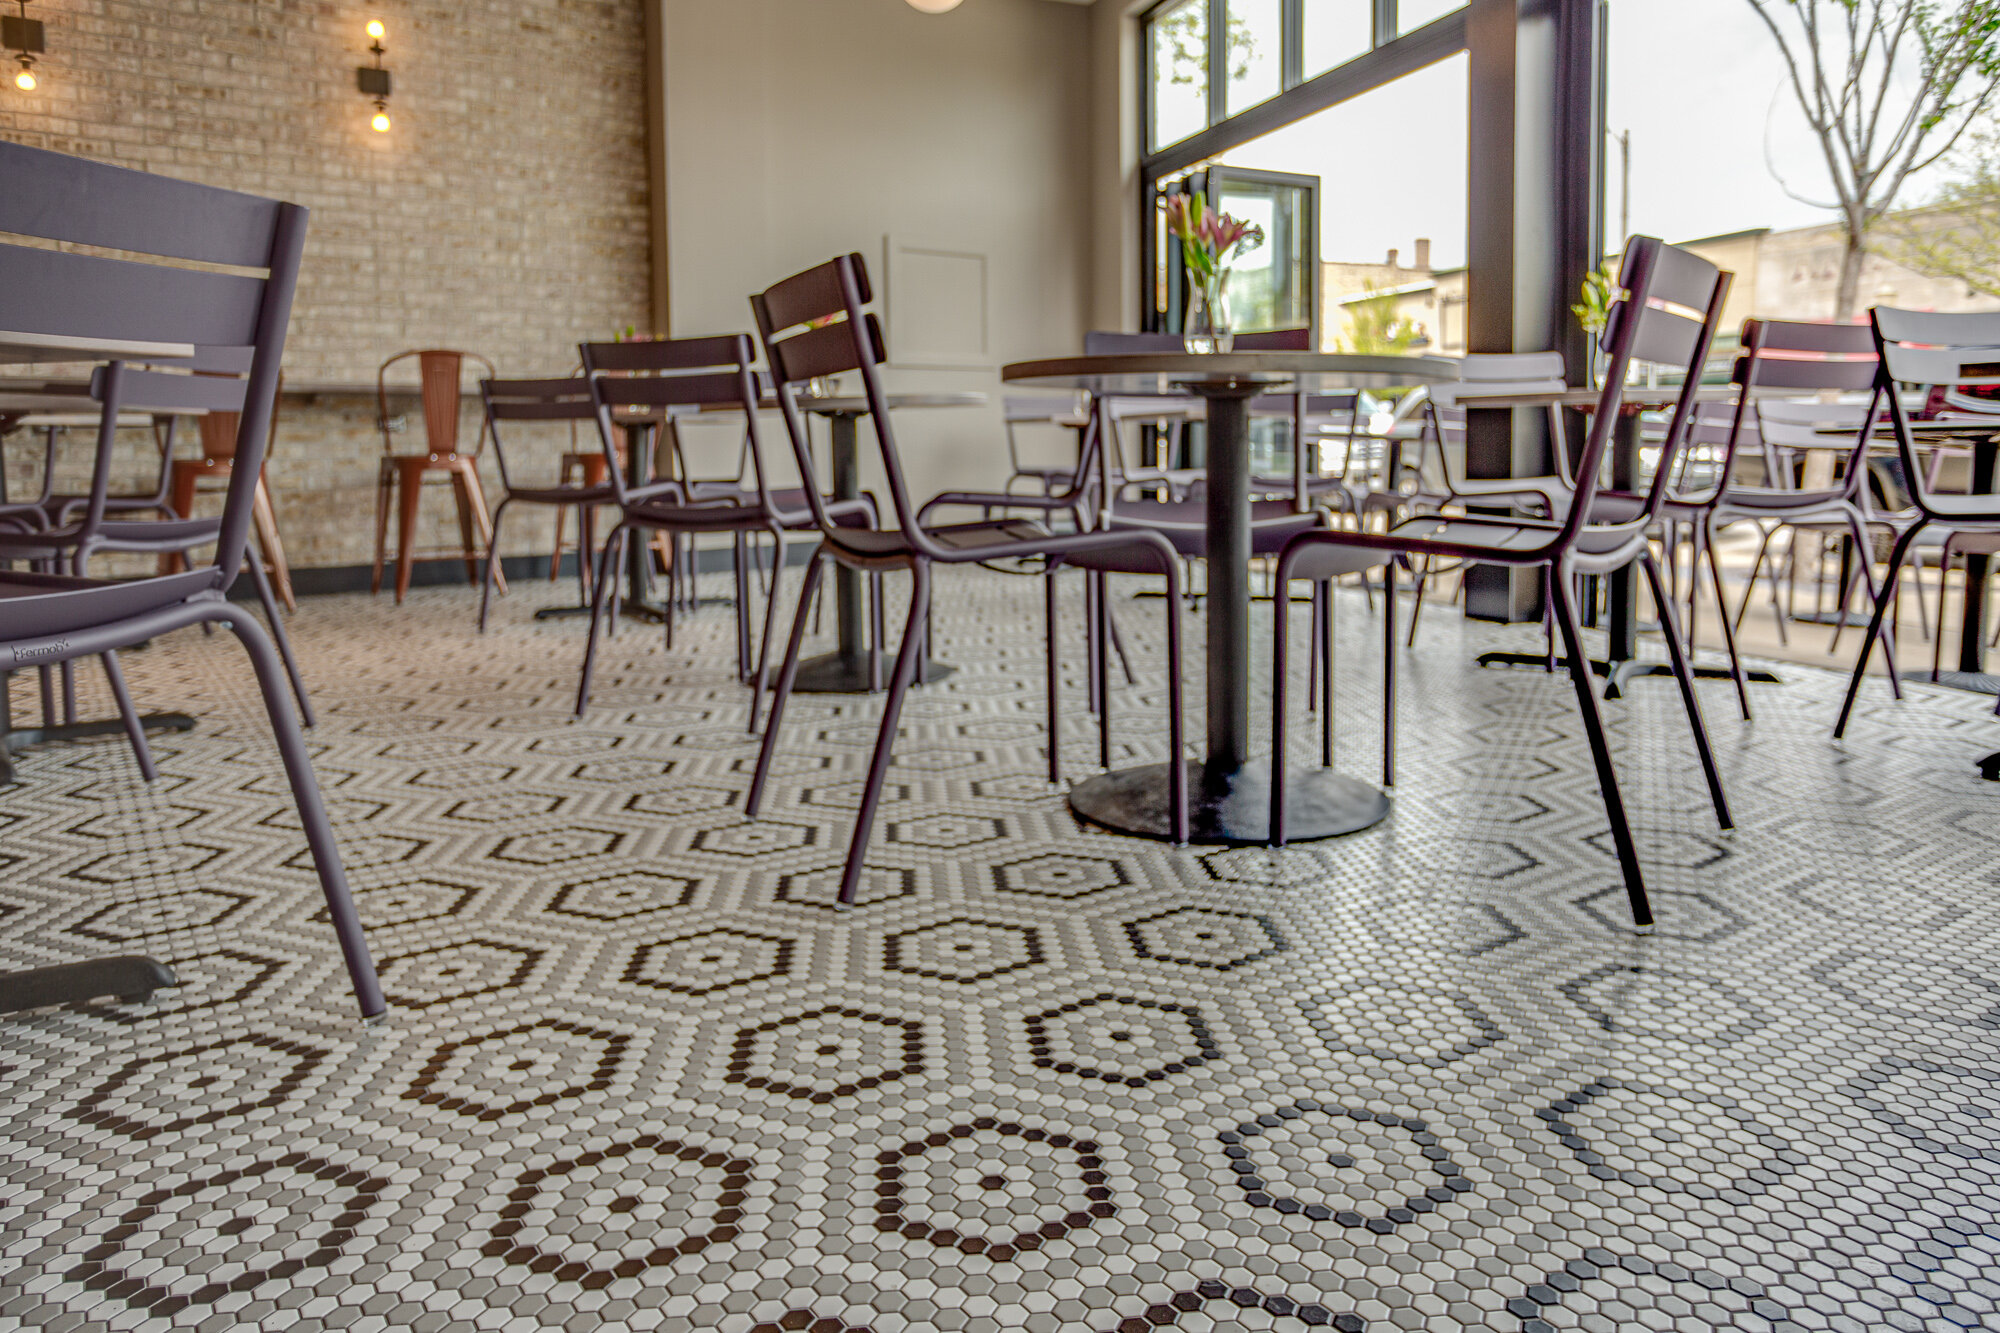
x=639, y=1075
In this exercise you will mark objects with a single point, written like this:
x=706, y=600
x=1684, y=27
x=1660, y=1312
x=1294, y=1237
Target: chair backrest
x=1809, y=358
x=813, y=323
x=1918, y=347
x=565, y=399
x=1489, y=375
x=1668, y=317
x=1103, y=342
x=1274, y=340
x=438, y=377
x=1060, y=409
x=146, y=293
x=669, y=373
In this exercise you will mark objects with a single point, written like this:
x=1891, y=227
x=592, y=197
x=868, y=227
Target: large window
x=1209, y=60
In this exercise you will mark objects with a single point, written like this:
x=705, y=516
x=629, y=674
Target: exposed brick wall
x=506, y=211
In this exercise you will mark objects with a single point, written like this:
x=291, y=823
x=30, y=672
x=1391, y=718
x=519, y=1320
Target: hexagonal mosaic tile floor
x=640, y=1075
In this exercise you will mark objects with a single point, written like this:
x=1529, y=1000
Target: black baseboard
x=446, y=571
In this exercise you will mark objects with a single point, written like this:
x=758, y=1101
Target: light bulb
x=26, y=81
x=375, y=29
x=380, y=122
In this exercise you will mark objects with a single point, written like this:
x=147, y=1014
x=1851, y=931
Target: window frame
x=1391, y=57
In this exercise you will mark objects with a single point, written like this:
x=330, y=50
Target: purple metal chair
x=565, y=399
x=1922, y=347
x=690, y=372
x=800, y=343
x=59, y=617
x=1642, y=327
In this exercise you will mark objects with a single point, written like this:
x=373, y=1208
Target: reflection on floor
x=638, y=1073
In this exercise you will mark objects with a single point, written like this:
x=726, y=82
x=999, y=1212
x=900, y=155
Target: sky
x=1698, y=83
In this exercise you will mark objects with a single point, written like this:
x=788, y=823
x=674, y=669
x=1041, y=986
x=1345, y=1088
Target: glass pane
x=1270, y=287
x=1396, y=262
x=1255, y=32
x=1336, y=31
x=1180, y=72
x=1414, y=14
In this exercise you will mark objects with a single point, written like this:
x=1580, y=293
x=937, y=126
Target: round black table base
x=1232, y=809
x=832, y=673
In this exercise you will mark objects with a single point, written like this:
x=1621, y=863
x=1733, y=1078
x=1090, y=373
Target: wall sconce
x=24, y=37
x=934, y=6
x=373, y=80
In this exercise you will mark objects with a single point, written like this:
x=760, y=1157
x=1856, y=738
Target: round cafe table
x=1229, y=791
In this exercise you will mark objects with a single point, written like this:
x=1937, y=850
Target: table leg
x=639, y=550
x=845, y=670
x=1229, y=794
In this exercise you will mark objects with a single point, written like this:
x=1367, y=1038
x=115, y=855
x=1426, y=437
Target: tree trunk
x=1846, y=296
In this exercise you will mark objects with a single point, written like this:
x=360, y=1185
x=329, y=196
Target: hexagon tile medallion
x=640, y=1073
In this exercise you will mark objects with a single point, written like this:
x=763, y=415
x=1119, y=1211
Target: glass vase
x=1208, y=324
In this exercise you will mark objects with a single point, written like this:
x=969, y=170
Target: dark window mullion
x=1385, y=22
x=1218, y=60
x=1291, y=44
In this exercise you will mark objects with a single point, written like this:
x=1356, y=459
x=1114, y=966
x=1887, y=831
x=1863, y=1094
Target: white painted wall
x=802, y=129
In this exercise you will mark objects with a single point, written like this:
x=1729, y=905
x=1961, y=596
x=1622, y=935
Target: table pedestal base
x=1617, y=674
x=1977, y=682
x=132, y=978
x=834, y=673
x=20, y=738
x=1230, y=809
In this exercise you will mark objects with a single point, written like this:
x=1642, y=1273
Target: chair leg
x=135, y=733
x=770, y=618
x=740, y=556
x=385, y=481
x=1281, y=591
x=814, y=569
x=281, y=639
x=1417, y=605
x=1868, y=576
x=1678, y=656
x=1118, y=642
x=605, y=581
x=271, y=545
x=1875, y=629
x=1096, y=702
x=885, y=738
x=562, y=523
x=312, y=811
x=878, y=632
x=1600, y=751
x=586, y=537
x=481, y=520
x=1177, y=793
x=1053, y=671
x=493, y=560
x=1324, y=590
x=1098, y=637
x=410, y=494
x=1705, y=546
x=1280, y=607
x=1388, y=671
